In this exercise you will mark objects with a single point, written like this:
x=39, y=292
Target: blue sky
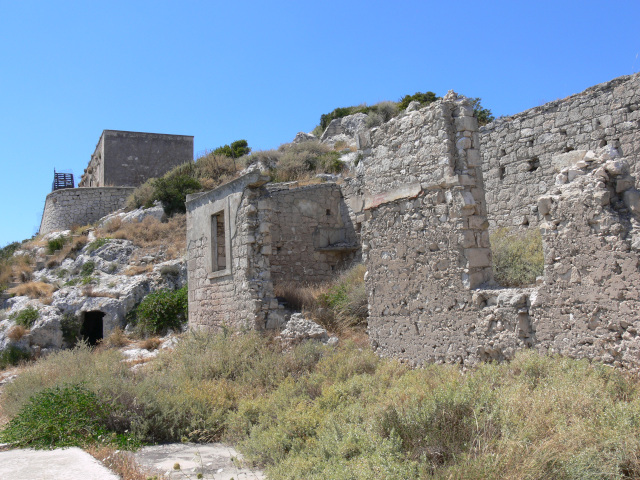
x=263, y=71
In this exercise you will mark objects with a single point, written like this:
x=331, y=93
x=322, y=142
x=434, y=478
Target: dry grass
x=338, y=306
x=122, y=463
x=88, y=291
x=38, y=290
x=151, y=343
x=151, y=233
x=16, y=332
x=16, y=269
x=137, y=270
x=69, y=250
x=116, y=339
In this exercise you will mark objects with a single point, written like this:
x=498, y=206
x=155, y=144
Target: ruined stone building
x=247, y=235
x=121, y=161
x=429, y=187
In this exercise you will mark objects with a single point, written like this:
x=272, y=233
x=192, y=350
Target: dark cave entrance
x=91, y=329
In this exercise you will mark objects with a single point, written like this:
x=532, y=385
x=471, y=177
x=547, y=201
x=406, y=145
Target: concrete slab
x=213, y=460
x=60, y=464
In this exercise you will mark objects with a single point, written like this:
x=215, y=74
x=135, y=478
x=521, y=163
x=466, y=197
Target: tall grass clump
x=517, y=257
x=301, y=160
x=336, y=305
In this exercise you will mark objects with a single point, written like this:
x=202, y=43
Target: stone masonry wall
x=130, y=158
x=425, y=239
x=523, y=154
x=242, y=295
x=424, y=305
x=80, y=206
x=311, y=231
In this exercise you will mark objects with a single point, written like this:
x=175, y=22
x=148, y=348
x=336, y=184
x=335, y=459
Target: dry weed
x=88, y=291
x=68, y=251
x=151, y=232
x=116, y=338
x=151, y=343
x=112, y=225
x=39, y=290
x=137, y=270
x=16, y=332
x=122, y=463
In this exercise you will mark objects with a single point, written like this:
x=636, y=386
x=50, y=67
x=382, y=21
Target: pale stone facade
x=70, y=207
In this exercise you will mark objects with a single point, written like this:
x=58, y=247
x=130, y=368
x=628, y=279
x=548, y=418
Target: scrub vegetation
x=319, y=412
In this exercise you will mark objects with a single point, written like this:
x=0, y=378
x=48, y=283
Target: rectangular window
x=218, y=240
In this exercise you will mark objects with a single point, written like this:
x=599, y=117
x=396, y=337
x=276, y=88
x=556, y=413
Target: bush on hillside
x=237, y=149
x=300, y=160
x=25, y=317
x=172, y=191
x=423, y=98
x=162, y=310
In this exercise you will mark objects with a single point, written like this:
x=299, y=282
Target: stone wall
x=311, y=231
x=425, y=239
x=431, y=296
x=130, y=158
x=80, y=206
x=240, y=294
x=523, y=154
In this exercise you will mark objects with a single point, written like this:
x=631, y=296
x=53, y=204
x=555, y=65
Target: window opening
x=218, y=257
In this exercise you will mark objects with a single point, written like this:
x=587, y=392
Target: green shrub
x=517, y=257
x=172, y=191
x=87, y=268
x=142, y=196
x=56, y=244
x=423, y=98
x=12, y=355
x=237, y=149
x=97, y=243
x=70, y=415
x=162, y=310
x=483, y=115
x=26, y=317
x=8, y=250
x=70, y=326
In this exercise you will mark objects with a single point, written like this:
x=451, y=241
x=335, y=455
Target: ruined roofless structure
x=429, y=186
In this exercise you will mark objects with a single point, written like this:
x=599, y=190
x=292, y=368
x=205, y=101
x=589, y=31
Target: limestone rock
x=304, y=137
x=299, y=329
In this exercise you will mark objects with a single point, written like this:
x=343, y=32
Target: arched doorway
x=91, y=329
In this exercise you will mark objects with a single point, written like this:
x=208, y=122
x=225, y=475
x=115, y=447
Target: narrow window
x=218, y=252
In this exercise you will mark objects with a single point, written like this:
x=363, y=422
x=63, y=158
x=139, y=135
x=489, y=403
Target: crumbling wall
x=523, y=154
x=240, y=294
x=425, y=239
x=427, y=299
x=311, y=231
x=70, y=207
x=589, y=304
x=130, y=158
